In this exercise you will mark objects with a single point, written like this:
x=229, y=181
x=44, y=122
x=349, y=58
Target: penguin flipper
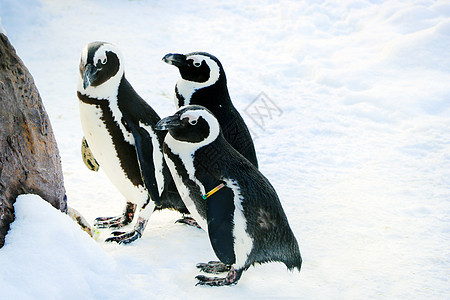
x=88, y=157
x=220, y=213
x=144, y=150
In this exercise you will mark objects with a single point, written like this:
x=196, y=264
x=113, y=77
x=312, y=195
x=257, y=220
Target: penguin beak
x=175, y=59
x=90, y=74
x=169, y=123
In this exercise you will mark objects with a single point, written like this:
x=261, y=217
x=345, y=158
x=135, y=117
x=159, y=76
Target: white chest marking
x=185, y=194
x=185, y=89
x=101, y=144
x=243, y=243
x=187, y=160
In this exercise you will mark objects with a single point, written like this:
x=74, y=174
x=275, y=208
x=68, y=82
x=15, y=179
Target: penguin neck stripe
x=89, y=100
x=214, y=190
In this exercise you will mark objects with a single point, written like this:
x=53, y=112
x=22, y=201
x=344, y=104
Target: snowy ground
x=360, y=155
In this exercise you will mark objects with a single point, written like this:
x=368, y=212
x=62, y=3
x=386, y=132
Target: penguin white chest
x=184, y=192
x=102, y=146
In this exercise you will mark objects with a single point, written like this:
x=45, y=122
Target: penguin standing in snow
x=119, y=130
x=203, y=82
x=228, y=197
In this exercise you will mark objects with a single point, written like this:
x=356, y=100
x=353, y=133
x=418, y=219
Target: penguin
x=119, y=135
x=228, y=196
x=203, y=82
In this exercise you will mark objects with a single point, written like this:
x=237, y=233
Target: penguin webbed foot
x=109, y=222
x=188, y=221
x=106, y=222
x=213, y=267
x=122, y=237
x=232, y=278
x=119, y=221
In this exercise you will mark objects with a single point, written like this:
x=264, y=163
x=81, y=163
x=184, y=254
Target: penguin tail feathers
x=297, y=264
x=290, y=258
x=294, y=259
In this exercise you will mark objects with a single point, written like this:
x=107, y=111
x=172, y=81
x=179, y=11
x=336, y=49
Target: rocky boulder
x=29, y=158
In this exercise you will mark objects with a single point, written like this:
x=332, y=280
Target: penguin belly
x=184, y=192
x=102, y=146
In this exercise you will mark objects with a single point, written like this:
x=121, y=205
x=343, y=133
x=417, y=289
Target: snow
x=359, y=155
x=47, y=255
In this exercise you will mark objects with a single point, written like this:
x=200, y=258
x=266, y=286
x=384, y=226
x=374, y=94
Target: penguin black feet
x=117, y=222
x=213, y=267
x=232, y=278
x=122, y=237
x=188, y=221
x=110, y=222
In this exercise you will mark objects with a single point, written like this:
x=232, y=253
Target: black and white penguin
x=228, y=197
x=118, y=126
x=203, y=82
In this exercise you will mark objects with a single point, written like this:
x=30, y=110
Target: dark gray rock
x=29, y=158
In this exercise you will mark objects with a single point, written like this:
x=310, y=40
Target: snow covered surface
x=357, y=146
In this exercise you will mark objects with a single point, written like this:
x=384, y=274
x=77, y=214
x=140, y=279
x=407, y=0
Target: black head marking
x=192, y=123
x=196, y=66
x=195, y=71
x=99, y=62
x=106, y=69
x=193, y=131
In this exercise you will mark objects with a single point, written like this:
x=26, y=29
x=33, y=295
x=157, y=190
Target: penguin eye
x=101, y=62
x=193, y=122
x=197, y=64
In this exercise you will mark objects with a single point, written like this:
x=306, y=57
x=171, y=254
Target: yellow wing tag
x=208, y=194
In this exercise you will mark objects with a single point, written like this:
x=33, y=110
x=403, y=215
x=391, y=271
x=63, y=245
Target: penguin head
x=100, y=69
x=201, y=68
x=192, y=125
